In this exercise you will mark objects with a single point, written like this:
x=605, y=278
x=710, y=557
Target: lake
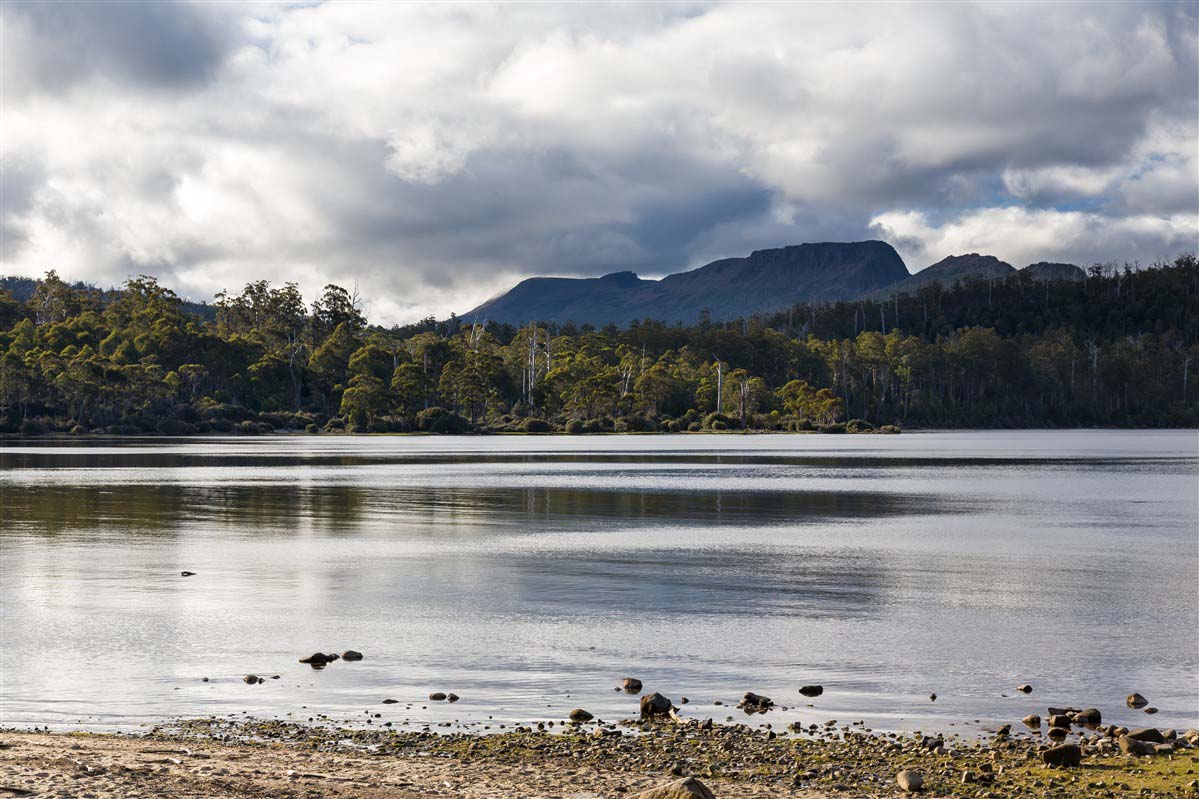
x=530, y=574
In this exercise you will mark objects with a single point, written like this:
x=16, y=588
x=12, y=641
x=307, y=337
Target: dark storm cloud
x=161, y=45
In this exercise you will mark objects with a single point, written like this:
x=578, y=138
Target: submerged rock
x=812, y=690
x=1089, y=716
x=1137, y=701
x=251, y=679
x=579, y=715
x=1032, y=720
x=1024, y=689
x=756, y=702
x=318, y=659
x=351, y=654
x=187, y=574
x=631, y=684
x=437, y=696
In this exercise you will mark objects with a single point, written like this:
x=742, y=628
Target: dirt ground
x=109, y=767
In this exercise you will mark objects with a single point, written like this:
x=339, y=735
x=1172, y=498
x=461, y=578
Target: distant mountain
x=768, y=280
x=950, y=271
x=1046, y=271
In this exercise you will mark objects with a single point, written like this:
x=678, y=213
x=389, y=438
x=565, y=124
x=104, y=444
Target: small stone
x=251, y=679
x=391, y=701
x=437, y=696
x=351, y=654
x=1137, y=701
x=1024, y=689
x=1150, y=710
x=187, y=574
x=579, y=715
x=631, y=684
x=1089, y=716
x=1032, y=720
x=317, y=659
x=1060, y=721
x=812, y=690
x=1066, y=755
x=910, y=781
x=932, y=697
x=451, y=697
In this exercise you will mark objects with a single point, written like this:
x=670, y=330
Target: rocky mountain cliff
x=768, y=280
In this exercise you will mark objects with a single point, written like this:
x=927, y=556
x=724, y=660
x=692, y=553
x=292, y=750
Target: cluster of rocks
x=318, y=660
x=439, y=696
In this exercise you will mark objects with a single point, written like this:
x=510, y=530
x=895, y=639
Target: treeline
x=1115, y=349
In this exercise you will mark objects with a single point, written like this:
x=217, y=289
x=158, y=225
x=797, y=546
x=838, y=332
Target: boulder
x=1089, y=716
x=579, y=715
x=757, y=702
x=1061, y=721
x=251, y=679
x=1057, y=733
x=910, y=781
x=350, y=654
x=655, y=705
x=1063, y=756
x=1032, y=720
x=631, y=684
x=1162, y=749
x=1148, y=735
x=688, y=788
x=812, y=690
x=437, y=696
x=318, y=659
x=451, y=697
x=1134, y=746
x=1137, y=701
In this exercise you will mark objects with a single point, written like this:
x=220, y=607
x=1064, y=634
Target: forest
x=1115, y=349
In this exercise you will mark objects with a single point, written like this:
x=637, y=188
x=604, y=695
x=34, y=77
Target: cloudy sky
x=435, y=154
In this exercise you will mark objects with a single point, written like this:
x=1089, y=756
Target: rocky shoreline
x=211, y=757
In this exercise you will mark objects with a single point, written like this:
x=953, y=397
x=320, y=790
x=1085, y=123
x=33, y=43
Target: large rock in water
x=689, y=788
x=768, y=280
x=655, y=705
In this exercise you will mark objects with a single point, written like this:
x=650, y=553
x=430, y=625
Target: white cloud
x=434, y=152
x=1021, y=236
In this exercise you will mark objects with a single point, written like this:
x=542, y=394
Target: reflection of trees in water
x=343, y=509
x=166, y=509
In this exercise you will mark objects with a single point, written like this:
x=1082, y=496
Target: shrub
x=336, y=423
x=537, y=426
x=32, y=427
x=889, y=429
x=712, y=418
x=439, y=420
x=174, y=427
x=858, y=426
x=203, y=427
x=694, y=427
x=222, y=425
x=575, y=427
x=803, y=424
x=674, y=426
x=78, y=430
x=717, y=424
x=621, y=426
x=312, y=428
x=124, y=430
x=836, y=427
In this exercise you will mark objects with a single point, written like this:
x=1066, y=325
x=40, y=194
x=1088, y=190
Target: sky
x=434, y=155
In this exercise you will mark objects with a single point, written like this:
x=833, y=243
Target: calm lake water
x=529, y=574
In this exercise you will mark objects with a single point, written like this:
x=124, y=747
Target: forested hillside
x=1118, y=348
